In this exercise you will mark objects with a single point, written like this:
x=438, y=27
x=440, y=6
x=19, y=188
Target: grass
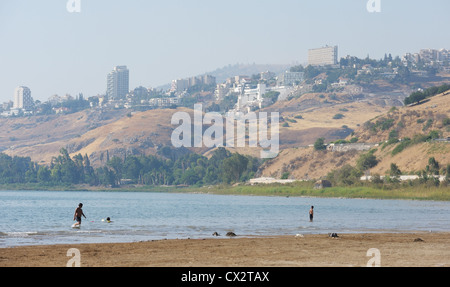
x=305, y=189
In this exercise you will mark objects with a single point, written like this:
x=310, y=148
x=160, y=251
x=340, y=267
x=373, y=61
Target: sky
x=52, y=51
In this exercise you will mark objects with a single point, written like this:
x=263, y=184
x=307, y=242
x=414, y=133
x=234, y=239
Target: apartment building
x=323, y=56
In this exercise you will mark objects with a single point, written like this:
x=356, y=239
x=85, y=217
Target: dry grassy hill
x=408, y=121
x=306, y=163
x=331, y=116
x=41, y=137
x=140, y=133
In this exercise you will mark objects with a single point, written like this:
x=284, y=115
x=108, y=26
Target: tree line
x=419, y=96
x=189, y=169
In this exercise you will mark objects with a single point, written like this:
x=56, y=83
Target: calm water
x=40, y=218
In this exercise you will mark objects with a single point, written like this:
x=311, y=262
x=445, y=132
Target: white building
x=290, y=78
x=23, y=99
x=118, y=82
x=323, y=56
x=251, y=97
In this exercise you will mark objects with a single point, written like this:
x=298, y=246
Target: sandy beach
x=348, y=250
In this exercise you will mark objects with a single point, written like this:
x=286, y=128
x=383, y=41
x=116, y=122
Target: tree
x=347, y=175
x=415, y=97
x=433, y=166
x=320, y=144
x=395, y=171
x=116, y=164
x=233, y=167
x=447, y=173
x=132, y=168
x=366, y=161
x=107, y=177
x=44, y=174
x=311, y=72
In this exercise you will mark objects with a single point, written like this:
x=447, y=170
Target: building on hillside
x=251, y=97
x=323, y=56
x=290, y=78
x=181, y=85
x=23, y=99
x=118, y=83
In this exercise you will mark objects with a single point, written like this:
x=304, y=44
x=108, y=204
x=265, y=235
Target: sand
x=349, y=250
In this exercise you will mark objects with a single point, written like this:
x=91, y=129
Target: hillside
x=408, y=121
x=41, y=137
x=304, y=119
x=100, y=134
x=312, y=116
x=404, y=122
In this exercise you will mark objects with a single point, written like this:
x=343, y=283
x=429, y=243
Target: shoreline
x=357, y=192
x=418, y=249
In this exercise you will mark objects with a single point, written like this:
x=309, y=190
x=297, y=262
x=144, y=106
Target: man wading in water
x=78, y=214
x=311, y=214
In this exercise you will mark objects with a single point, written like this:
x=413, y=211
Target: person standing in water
x=311, y=214
x=78, y=214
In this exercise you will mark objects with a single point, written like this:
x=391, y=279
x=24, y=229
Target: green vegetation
x=446, y=122
x=189, y=169
x=406, y=142
x=426, y=184
x=395, y=171
x=393, y=191
x=272, y=95
x=382, y=124
x=338, y=116
x=419, y=96
x=320, y=144
x=366, y=161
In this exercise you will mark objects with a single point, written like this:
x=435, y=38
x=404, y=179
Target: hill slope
x=311, y=116
x=406, y=122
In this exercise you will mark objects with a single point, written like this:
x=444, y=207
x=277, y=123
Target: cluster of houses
x=250, y=93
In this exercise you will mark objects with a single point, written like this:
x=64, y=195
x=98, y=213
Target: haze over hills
x=221, y=74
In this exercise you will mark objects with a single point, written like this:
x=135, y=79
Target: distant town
x=324, y=73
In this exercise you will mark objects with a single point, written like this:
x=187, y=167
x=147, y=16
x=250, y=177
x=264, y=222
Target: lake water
x=42, y=217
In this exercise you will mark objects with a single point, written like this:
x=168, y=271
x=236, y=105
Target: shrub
x=366, y=161
x=446, y=122
x=320, y=144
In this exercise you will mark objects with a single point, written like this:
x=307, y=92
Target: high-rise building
x=323, y=56
x=118, y=83
x=23, y=99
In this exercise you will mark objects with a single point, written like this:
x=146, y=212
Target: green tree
x=433, y=166
x=233, y=167
x=132, y=168
x=347, y=175
x=320, y=144
x=366, y=161
x=395, y=171
x=447, y=173
x=44, y=174
x=116, y=164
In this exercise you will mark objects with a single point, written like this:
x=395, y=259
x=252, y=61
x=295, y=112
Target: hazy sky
x=52, y=51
